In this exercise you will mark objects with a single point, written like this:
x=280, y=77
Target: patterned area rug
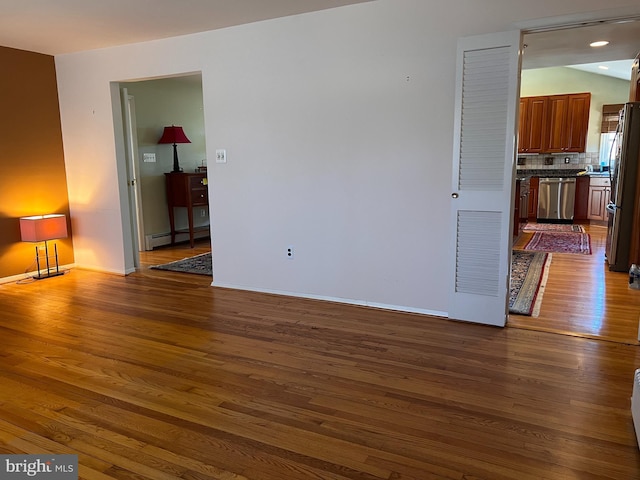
x=553, y=227
x=560, y=242
x=200, y=264
x=529, y=272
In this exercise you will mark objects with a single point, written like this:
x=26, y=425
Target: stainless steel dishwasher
x=556, y=198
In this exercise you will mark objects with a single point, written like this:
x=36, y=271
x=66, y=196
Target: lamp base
x=176, y=164
x=41, y=276
x=56, y=267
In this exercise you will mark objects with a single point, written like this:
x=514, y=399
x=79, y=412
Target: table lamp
x=174, y=135
x=42, y=228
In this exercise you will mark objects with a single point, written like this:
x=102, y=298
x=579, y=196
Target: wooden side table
x=185, y=190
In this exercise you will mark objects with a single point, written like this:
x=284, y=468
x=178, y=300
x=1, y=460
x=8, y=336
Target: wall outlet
x=567, y=159
x=290, y=252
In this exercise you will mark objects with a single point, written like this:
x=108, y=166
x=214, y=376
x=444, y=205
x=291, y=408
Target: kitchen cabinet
x=521, y=200
x=554, y=123
x=599, y=195
x=531, y=127
x=568, y=123
x=532, y=210
x=581, y=205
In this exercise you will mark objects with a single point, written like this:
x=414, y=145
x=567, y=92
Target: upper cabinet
x=554, y=123
x=533, y=115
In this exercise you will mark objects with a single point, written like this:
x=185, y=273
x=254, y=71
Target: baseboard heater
x=160, y=239
x=635, y=404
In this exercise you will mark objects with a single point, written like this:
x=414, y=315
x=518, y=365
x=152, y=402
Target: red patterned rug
x=553, y=227
x=560, y=242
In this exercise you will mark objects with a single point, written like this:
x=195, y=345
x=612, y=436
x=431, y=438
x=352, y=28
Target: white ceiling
x=570, y=47
x=63, y=26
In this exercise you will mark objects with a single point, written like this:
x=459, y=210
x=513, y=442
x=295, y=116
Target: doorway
x=581, y=296
x=162, y=102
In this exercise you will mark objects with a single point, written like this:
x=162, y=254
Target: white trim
x=161, y=239
x=348, y=301
x=106, y=270
x=578, y=19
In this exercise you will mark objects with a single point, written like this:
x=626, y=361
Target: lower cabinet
x=581, y=206
x=532, y=210
x=599, y=195
x=521, y=203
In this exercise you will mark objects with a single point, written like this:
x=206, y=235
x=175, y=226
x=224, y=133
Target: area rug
x=560, y=242
x=553, y=227
x=200, y=264
x=529, y=271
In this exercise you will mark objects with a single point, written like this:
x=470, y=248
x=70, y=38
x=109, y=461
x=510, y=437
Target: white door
x=133, y=171
x=486, y=107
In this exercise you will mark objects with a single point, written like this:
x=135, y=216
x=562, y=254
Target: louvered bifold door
x=487, y=91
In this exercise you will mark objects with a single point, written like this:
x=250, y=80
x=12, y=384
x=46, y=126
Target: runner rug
x=200, y=264
x=529, y=272
x=560, y=242
x=553, y=227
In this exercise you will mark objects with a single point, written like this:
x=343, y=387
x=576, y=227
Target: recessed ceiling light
x=600, y=43
x=602, y=67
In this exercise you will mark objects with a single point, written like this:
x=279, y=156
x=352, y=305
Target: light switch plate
x=221, y=156
x=149, y=157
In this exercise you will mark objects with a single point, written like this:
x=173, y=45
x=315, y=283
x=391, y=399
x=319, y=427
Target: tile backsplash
x=576, y=160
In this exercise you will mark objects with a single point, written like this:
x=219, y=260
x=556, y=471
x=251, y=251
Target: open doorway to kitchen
x=580, y=296
x=149, y=107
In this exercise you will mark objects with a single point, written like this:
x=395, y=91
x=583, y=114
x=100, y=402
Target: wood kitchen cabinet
x=568, y=123
x=185, y=190
x=581, y=205
x=521, y=199
x=532, y=210
x=531, y=127
x=599, y=195
x=554, y=123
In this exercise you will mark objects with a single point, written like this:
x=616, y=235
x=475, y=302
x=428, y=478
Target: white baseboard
x=161, y=239
x=348, y=301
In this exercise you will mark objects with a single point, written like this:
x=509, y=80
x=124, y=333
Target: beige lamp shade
x=40, y=228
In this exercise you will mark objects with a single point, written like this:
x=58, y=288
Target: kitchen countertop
x=556, y=173
x=548, y=172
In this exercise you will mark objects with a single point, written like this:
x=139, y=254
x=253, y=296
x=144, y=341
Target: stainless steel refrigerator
x=623, y=171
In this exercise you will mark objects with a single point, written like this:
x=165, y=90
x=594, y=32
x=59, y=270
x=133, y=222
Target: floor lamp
x=42, y=228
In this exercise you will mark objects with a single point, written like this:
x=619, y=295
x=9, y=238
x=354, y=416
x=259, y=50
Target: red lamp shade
x=173, y=135
x=41, y=228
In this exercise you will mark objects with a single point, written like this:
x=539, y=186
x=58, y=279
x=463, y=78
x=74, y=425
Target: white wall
x=338, y=128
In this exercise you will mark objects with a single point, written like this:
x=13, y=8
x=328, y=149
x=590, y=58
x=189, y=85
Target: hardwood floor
x=584, y=298
x=160, y=376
